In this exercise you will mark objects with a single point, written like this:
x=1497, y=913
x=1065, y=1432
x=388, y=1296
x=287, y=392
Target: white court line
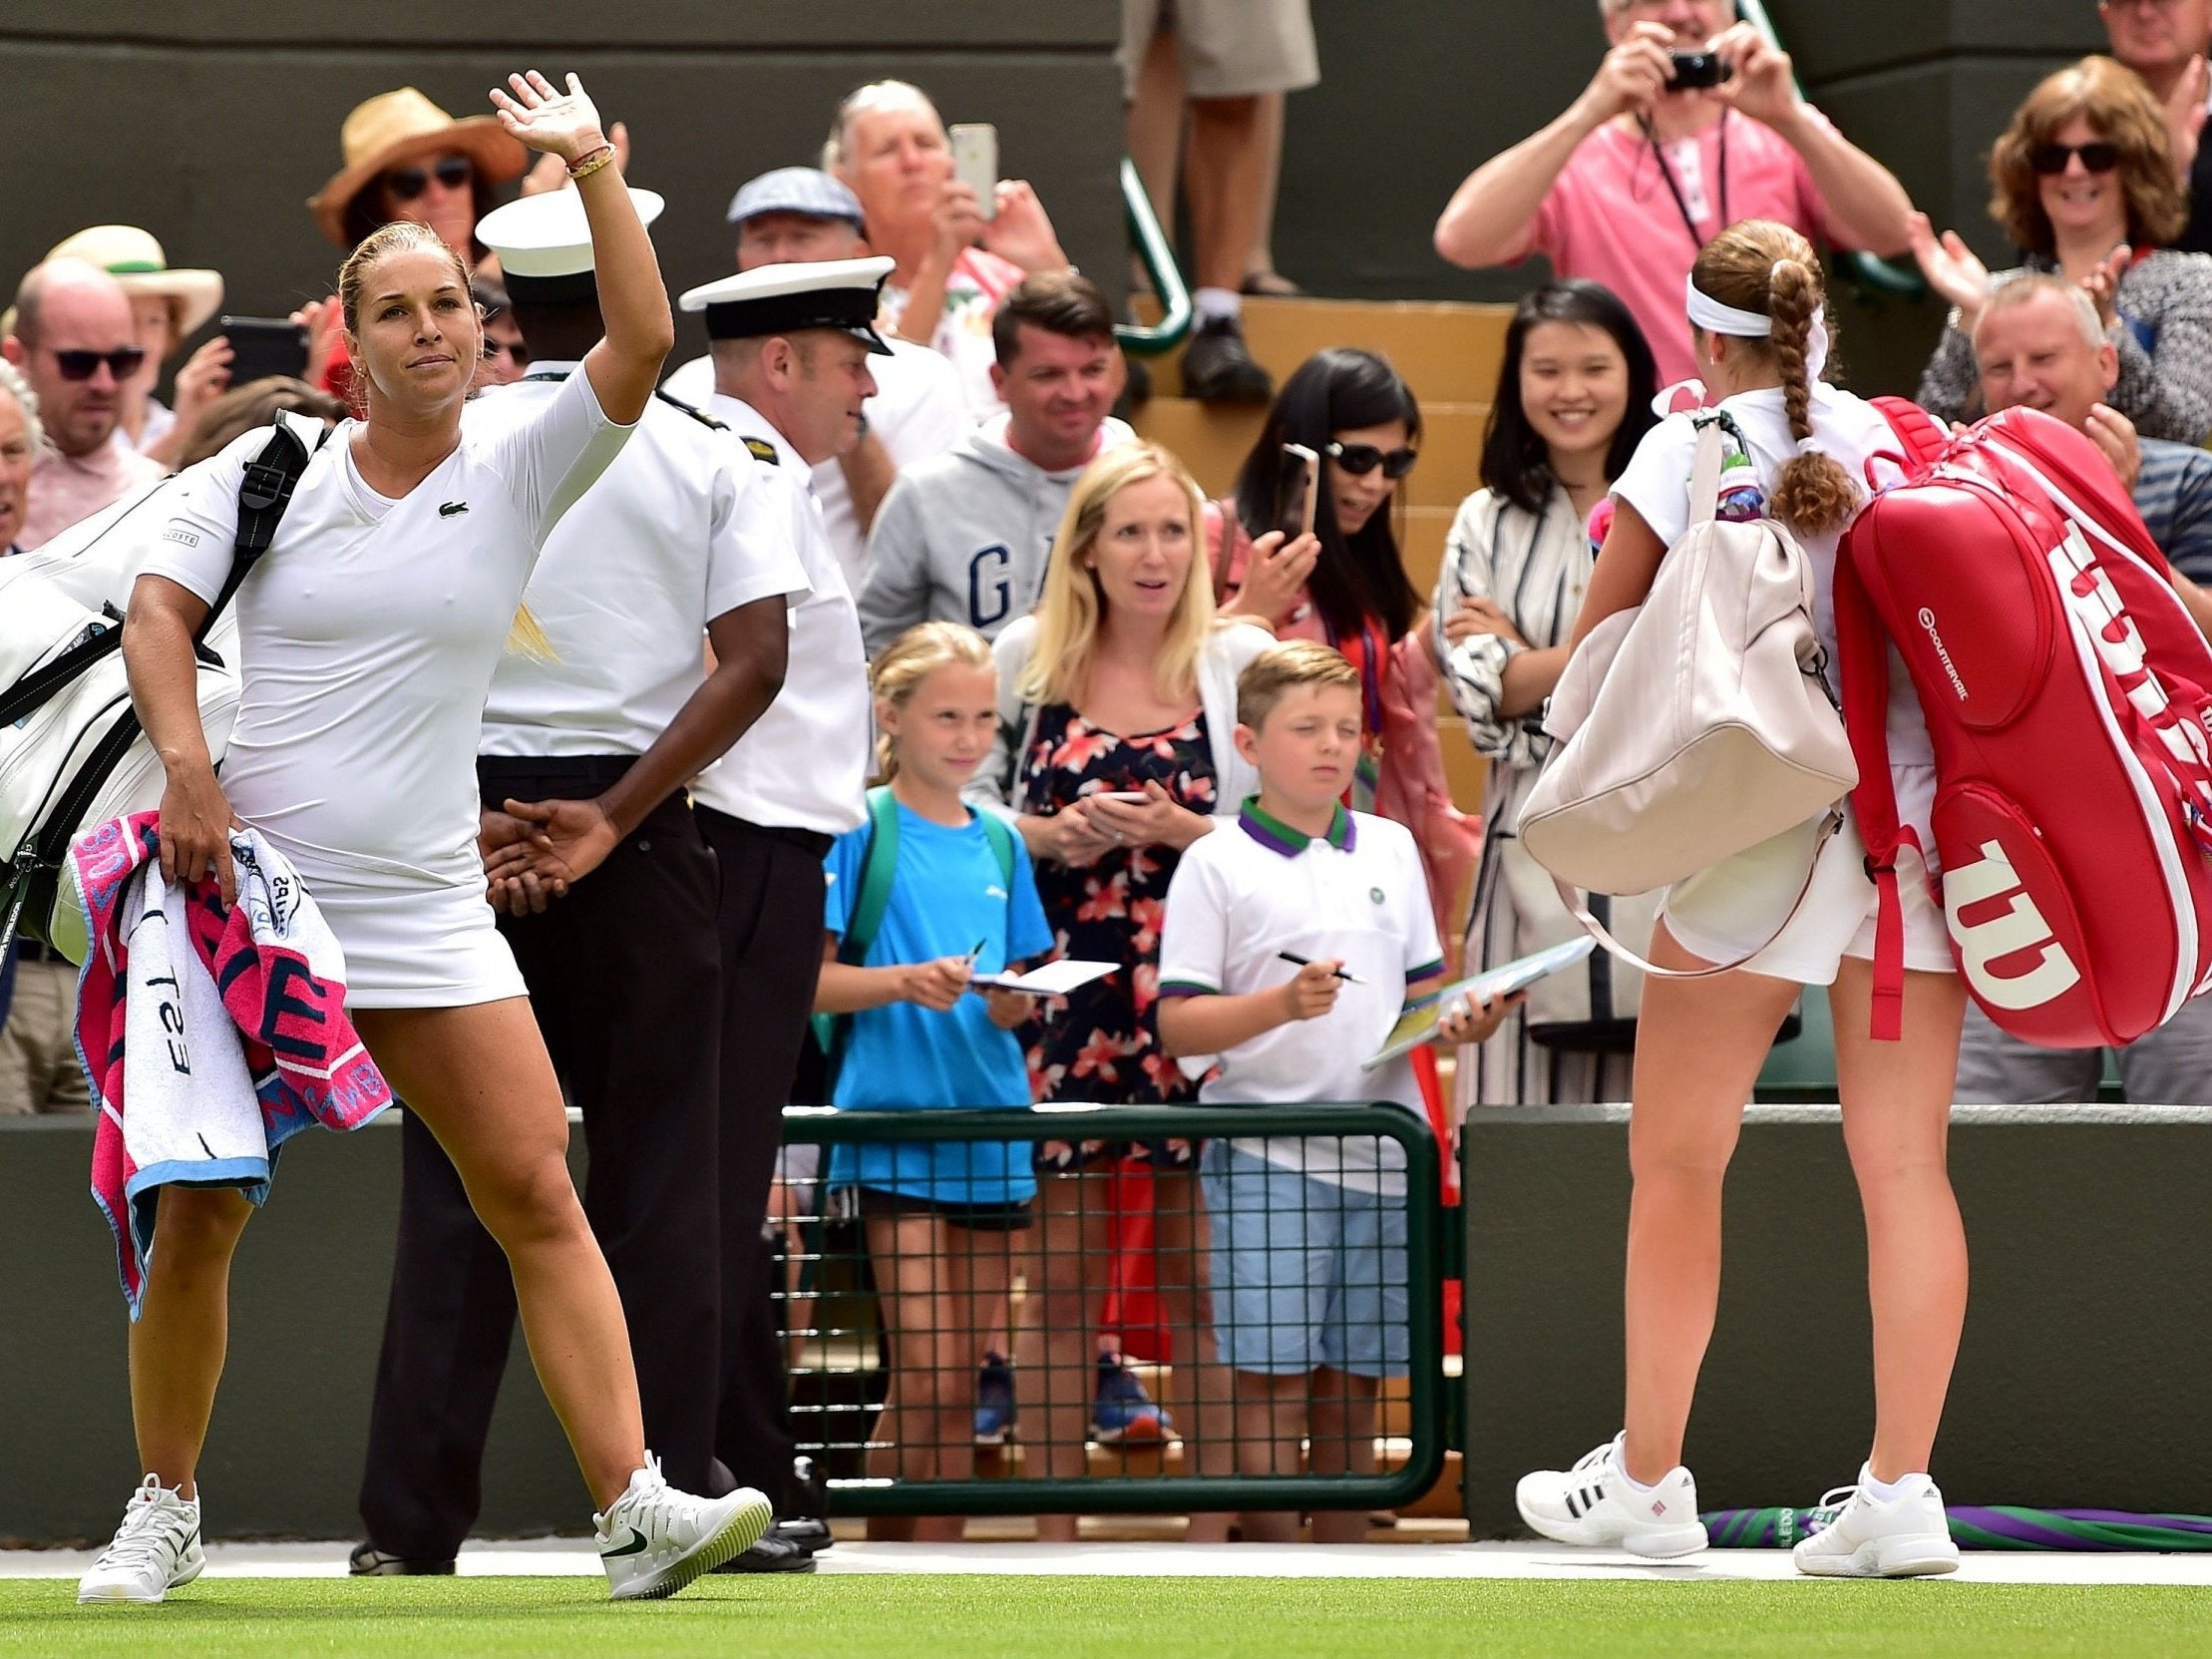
x=561, y=1557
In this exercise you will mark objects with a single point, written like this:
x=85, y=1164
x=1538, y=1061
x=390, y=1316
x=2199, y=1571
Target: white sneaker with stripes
x=1594, y=1504
x=1907, y=1537
x=154, y=1552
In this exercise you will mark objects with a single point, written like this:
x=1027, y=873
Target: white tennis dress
x=368, y=635
x=1732, y=910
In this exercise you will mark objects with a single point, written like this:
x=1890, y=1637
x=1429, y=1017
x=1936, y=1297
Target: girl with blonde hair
x=938, y=1215
x=1117, y=714
x=1758, y=318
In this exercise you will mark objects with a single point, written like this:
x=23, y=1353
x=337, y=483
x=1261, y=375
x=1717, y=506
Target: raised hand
x=1951, y=267
x=1763, y=86
x=324, y=321
x=2185, y=113
x=1021, y=230
x=560, y=124
x=204, y=377
x=1276, y=576
x=2115, y=437
x=2102, y=284
x=549, y=173
x=956, y=220
x=1631, y=76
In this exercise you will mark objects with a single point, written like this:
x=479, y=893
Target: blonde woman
x=368, y=637
x=1117, y=709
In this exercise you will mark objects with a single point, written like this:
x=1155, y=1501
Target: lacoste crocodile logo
x=448, y=509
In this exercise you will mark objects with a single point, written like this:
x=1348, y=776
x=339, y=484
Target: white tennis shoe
x=654, y=1540
x=1908, y=1538
x=1594, y=1504
x=154, y=1552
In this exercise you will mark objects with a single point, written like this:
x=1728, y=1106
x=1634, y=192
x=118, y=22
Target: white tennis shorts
x=1728, y=911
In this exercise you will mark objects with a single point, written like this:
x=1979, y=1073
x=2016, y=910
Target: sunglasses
x=407, y=183
x=1361, y=459
x=123, y=362
x=2051, y=160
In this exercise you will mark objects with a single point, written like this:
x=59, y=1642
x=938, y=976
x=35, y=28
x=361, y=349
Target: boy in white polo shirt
x=1309, y=1232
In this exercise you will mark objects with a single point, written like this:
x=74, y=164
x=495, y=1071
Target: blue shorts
x=1306, y=1273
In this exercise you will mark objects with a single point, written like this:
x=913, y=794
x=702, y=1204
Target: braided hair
x=1769, y=270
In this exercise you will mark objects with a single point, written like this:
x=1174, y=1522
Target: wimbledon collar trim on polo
x=1278, y=837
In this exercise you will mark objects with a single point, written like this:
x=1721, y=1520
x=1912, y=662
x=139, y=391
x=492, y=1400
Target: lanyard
x=1681, y=202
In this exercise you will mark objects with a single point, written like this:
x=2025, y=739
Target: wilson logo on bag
x=2063, y=689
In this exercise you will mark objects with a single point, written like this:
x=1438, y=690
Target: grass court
x=956, y=1616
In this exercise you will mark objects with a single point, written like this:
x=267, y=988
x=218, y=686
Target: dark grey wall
x=211, y=124
x=2088, y=1327
x=285, y=1453
x=1404, y=112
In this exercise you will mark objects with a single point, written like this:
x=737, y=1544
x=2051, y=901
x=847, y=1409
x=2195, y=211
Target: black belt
x=596, y=771
x=814, y=843
x=30, y=950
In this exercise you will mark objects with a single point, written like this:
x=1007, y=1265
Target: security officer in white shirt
x=801, y=213
x=792, y=350
x=610, y=905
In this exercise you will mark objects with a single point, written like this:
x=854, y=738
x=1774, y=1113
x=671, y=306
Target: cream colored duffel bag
x=1697, y=725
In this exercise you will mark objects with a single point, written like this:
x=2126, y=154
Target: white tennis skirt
x=1730, y=910
x=413, y=938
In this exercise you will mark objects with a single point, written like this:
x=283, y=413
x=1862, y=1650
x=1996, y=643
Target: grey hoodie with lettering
x=962, y=537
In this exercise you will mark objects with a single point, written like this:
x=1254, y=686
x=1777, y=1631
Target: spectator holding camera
x=1691, y=124
x=955, y=257
x=2086, y=183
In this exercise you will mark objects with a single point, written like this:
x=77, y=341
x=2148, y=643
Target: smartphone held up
x=1300, y=488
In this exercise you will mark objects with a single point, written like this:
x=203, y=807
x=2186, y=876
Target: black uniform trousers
x=770, y=920
x=625, y=976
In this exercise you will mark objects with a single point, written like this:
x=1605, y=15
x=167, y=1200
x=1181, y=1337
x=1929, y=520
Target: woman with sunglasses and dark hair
x=2085, y=184
x=1345, y=584
x=1574, y=398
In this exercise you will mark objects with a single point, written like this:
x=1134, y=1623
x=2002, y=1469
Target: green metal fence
x=890, y=1305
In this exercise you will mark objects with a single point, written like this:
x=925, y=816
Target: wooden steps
x=1449, y=355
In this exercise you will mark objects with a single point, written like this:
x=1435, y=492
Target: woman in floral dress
x=1117, y=706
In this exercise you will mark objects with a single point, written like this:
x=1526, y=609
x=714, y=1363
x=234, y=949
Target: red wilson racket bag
x=2064, y=689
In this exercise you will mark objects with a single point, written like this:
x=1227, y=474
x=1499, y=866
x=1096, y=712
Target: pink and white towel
x=221, y=1028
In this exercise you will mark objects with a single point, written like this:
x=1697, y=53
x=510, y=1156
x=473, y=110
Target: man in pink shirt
x=74, y=341
x=1638, y=172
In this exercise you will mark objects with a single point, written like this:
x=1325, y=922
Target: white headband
x=1709, y=313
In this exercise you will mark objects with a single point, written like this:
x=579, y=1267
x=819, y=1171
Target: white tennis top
x=804, y=763
x=675, y=535
x=1256, y=887
x=370, y=630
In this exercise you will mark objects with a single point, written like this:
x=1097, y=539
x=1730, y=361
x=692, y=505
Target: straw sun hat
x=394, y=128
x=136, y=260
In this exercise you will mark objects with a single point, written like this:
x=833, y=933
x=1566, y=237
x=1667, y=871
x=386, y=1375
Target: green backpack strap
x=872, y=897
x=878, y=867
x=1001, y=835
